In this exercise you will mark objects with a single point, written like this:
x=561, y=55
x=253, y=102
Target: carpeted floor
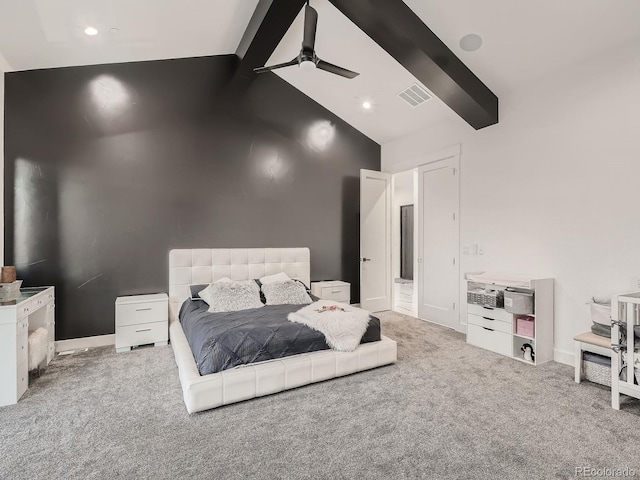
x=445, y=410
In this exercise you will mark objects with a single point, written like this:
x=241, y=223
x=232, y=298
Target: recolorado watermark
x=604, y=472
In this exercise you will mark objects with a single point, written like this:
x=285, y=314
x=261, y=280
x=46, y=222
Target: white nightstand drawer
x=143, y=334
x=335, y=290
x=488, y=339
x=140, y=313
x=339, y=294
x=495, y=313
x=489, y=322
x=22, y=379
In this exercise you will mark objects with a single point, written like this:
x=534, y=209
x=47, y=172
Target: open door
x=375, y=240
x=439, y=242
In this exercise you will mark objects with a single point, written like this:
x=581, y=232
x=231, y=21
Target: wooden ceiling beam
x=400, y=32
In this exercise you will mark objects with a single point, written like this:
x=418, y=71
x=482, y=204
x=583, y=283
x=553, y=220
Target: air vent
x=414, y=95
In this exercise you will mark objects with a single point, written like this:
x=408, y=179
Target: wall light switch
x=480, y=250
x=474, y=249
x=466, y=250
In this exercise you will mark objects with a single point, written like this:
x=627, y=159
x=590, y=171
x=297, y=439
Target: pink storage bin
x=526, y=326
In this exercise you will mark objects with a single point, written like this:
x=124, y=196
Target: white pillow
x=233, y=296
x=278, y=277
x=205, y=293
x=290, y=292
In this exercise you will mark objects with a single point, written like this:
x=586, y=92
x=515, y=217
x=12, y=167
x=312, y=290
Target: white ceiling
x=523, y=41
x=381, y=78
x=50, y=33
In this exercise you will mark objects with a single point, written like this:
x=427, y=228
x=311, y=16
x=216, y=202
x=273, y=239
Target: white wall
x=4, y=67
x=554, y=188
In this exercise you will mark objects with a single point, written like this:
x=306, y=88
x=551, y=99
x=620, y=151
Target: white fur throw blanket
x=38, y=343
x=342, y=325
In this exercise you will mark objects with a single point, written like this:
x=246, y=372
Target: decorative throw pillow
x=286, y=293
x=233, y=296
x=278, y=277
x=203, y=291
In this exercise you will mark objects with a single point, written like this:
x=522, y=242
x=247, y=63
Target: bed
x=202, y=392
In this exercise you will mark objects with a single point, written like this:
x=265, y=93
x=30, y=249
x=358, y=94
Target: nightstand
x=332, y=290
x=140, y=320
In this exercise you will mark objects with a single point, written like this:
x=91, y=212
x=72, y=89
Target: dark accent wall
x=109, y=167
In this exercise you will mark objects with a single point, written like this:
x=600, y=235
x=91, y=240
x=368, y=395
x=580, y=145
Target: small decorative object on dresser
x=332, y=290
x=141, y=320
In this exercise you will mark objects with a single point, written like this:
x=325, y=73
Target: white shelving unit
x=625, y=316
x=494, y=328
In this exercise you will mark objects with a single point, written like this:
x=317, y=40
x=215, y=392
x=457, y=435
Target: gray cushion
x=233, y=296
x=286, y=293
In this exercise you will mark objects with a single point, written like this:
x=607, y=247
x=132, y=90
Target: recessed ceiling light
x=471, y=42
x=366, y=105
x=91, y=31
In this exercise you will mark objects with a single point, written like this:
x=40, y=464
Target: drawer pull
x=487, y=308
x=487, y=318
x=337, y=291
x=490, y=329
x=142, y=309
x=143, y=330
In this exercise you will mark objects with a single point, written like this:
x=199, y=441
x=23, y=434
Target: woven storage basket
x=596, y=373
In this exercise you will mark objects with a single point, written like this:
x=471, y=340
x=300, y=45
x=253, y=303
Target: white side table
x=332, y=290
x=141, y=320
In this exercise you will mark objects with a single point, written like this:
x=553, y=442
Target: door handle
x=366, y=259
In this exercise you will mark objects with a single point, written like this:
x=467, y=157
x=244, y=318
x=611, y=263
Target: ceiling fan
x=307, y=59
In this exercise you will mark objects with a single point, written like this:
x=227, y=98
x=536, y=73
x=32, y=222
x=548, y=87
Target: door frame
x=449, y=153
x=388, y=177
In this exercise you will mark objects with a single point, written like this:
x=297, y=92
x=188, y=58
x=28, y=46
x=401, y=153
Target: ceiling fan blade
x=310, y=24
x=331, y=68
x=273, y=67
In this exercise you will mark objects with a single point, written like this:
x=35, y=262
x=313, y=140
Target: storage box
x=526, y=326
x=597, y=368
x=518, y=301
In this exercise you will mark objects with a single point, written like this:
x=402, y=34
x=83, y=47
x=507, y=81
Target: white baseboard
x=85, y=342
x=562, y=356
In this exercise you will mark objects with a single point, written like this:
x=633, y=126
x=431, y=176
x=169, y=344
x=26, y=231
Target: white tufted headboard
x=206, y=265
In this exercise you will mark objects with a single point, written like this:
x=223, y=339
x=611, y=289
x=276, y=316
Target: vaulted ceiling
x=522, y=42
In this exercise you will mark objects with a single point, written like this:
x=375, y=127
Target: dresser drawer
x=143, y=334
x=25, y=308
x=22, y=379
x=22, y=341
x=495, y=313
x=489, y=322
x=496, y=341
x=141, y=313
x=339, y=293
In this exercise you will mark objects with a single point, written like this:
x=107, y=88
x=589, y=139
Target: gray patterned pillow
x=233, y=296
x=286, y=293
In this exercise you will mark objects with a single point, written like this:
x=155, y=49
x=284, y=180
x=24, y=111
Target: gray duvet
x=220, y=341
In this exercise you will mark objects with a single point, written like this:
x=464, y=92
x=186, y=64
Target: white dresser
x=496, y=328
x=332, y=290
x=140, y=320
x=31, y=308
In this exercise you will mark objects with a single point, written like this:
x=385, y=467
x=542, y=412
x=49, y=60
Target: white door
x=438, y=242
x=375, y=240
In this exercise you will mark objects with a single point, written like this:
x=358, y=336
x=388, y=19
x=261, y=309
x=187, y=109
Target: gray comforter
x=220, y=341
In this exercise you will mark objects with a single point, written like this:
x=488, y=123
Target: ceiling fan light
x=307, y=65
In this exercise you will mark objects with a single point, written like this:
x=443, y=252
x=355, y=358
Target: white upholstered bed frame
x=202, y=392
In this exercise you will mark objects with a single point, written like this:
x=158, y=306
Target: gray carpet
x=445, y=410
